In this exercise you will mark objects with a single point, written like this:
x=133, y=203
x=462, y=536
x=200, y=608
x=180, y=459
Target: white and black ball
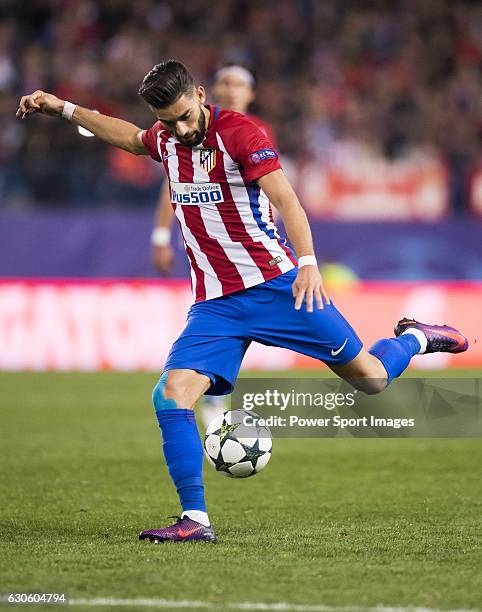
x=236, y=445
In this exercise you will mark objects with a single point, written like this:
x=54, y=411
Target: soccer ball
x=236, y=446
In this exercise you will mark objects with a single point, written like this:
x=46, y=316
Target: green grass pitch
x=333, y=522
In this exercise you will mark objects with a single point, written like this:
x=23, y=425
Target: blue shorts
x=219, y=331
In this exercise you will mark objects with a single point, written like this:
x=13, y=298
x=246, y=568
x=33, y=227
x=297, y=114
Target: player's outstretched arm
x=162, y=254
x=308, y=284
x=114, y=131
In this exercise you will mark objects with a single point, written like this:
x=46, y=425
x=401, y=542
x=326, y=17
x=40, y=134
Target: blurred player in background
x=247, y=283
x=233, y=89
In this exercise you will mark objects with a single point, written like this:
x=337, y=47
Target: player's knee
x=370, y=386
x=371, y=377
x=376, y=377
x=159, y=399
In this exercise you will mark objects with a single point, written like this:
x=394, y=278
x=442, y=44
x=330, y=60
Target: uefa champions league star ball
x=236, y=445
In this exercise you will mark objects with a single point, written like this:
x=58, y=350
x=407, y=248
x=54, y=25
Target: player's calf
x=372, y=371
x=173, y=397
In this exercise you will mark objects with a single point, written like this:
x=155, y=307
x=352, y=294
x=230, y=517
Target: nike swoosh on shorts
x=338, y=351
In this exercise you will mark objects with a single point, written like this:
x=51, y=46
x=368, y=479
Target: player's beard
x=196, y=137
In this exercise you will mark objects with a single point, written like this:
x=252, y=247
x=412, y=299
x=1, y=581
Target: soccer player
x=248, y=285
x=234, y=89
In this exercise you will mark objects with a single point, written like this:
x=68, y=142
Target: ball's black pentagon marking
x=221, y=465
x=253, y=453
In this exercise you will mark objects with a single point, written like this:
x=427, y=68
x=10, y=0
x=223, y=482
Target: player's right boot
x=440, y=338
x=184, y=530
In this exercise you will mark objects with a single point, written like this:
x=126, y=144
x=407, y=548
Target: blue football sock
x=184, y=455
x=182, y=449
x=395, y=353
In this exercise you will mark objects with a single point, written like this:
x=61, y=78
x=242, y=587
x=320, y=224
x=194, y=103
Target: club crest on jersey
x=207, y=159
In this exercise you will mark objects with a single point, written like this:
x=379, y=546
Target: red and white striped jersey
x=225, y=218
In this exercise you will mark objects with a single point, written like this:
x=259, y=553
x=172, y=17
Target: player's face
x=185, y=119
x=233, y=92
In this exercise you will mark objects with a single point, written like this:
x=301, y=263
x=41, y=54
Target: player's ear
x=200, y=94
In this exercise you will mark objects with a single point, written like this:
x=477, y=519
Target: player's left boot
x=440, y=338
x=184, y=530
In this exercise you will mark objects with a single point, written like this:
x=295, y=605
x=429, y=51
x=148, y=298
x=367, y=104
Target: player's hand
x=163, y=258
x=40, y=102
x=309, y=285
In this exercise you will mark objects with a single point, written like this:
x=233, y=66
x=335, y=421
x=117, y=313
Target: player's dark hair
x=166, y=83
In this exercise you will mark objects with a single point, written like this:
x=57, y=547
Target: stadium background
x=377, y=110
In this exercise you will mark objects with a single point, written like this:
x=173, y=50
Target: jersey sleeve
x=149, y=140
x=254, y=151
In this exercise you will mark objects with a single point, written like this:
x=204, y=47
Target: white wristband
x=161, y=236
x=307, y=260
x=68, y=110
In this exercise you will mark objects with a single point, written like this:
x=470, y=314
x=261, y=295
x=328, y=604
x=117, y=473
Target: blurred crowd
x=392, y=75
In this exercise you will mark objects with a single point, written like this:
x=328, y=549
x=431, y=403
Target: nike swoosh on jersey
x=338, y=351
